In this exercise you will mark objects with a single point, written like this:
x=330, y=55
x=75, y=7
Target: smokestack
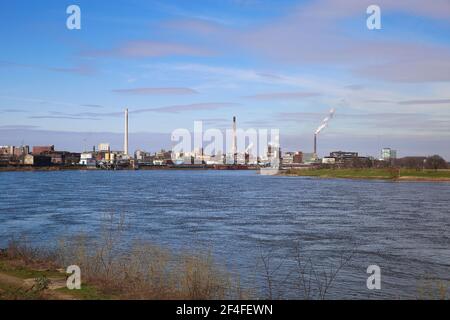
x=234, y=141
x=315, y=145
x=321, y=127
x=125, y=142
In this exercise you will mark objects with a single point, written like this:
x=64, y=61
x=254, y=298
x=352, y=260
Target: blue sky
x=273, y=64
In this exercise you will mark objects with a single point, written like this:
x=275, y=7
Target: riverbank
x=144, y=272
x=370, y=173
x=152, y=167
x=22, y=280
x=43, y=168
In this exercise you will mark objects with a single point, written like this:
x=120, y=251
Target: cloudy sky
x=273, y=64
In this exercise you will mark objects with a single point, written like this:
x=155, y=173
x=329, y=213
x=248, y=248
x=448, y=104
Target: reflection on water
x=241, y=216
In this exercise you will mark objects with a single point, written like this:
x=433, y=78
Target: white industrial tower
x=234, y=145
x=125, y=142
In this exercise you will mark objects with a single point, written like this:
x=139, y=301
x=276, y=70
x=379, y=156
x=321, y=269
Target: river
x=403, y=227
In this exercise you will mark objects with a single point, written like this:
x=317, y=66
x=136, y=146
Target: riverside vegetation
x=144, y=271
x=374, y=173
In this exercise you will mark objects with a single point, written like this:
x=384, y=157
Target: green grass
x=425, y=173
x=369, y=173
x=87, y=292
x=27, y=273
x=9, y=292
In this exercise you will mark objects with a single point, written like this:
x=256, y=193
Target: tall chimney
x=125, y=142
x=234, y=141
x=315, y=145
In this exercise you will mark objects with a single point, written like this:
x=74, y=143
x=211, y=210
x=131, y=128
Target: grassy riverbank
x=155, y=167
x=150, y=272
x=39, y=280
x=145, y=272
x=141, y=270
x=370, y=173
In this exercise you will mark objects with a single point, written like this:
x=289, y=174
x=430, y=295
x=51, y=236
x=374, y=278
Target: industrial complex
x=103, y=156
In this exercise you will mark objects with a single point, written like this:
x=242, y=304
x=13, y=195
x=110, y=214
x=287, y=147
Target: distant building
x=163, y=157
x=288, y=158
x=198, y=156
x=14, y=151
x=218, y=158
x=37, y=160
x=298, y=157
x=273, y=155
x=57, y=157
x=348, y=159
x=6, y=150
x=180, y=158
x=104, y=147
x=292, y=157
x=21, y=151
x=43, y=149
x=342, y=158
x=143, y=157
x=64, y=157
x=5, y=155
x=13, y=154
x=72, y=158
x=328, y=160
x=388, y=154
x=87, y=159
x=273, y=151
x=343, y=155
x=309, y=157
x=109, y=156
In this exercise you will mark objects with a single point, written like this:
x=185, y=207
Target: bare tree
x=270, y=272
x=314, y=282
x=311, y=281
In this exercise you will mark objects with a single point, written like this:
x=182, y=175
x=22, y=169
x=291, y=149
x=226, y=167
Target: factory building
x=63, y=157
x=163, y=157
x=88, y=159
x=342, y=156
x=309, y=157
x=14, y=151
x=6, y=150
x=105, y=147
x=328, y=160
x=292, y=158
x=388, y=154
x=346, y=159
x=43, y=149
x=143, y=157
x=13, y=154
x=37, y=160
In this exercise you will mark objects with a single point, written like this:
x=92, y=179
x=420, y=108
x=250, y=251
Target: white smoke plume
x=325, y=121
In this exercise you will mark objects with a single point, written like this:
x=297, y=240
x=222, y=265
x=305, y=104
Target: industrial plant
x=104, y=157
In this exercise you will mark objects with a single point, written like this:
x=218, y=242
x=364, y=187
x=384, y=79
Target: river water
x=245, y=218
